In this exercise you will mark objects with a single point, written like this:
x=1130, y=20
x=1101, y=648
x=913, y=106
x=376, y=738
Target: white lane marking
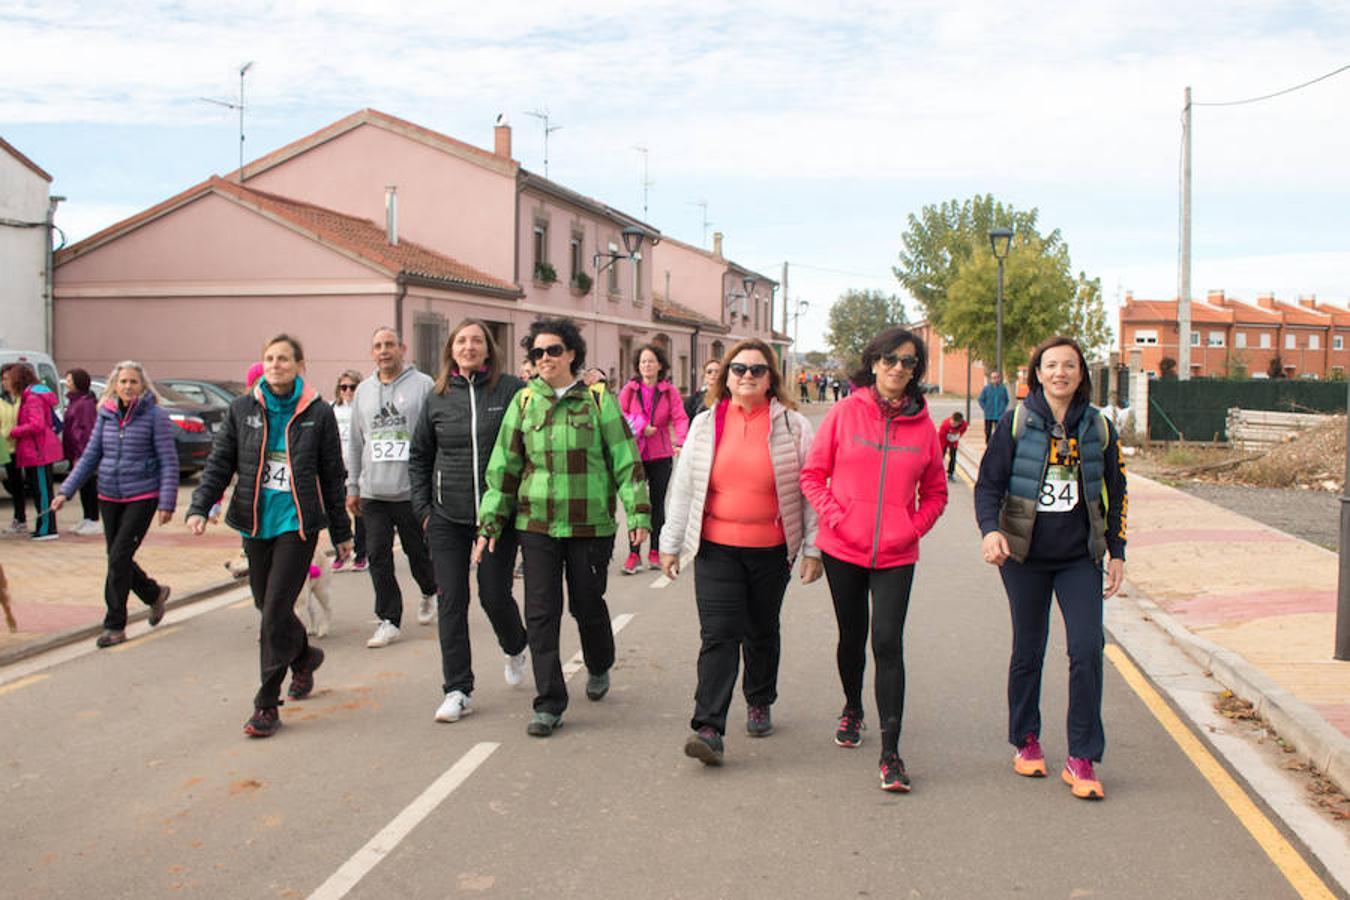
x=662, y=581
x=576, y=662
x=53, y=658
x=382, y=844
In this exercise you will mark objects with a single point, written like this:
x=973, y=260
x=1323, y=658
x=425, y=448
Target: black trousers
x=382, y=518
x=583, y=563
x=451, y=545
x=1077, y=585
x=14, y=483
x=89, y=497
x=989, y=429
x=277, y=569
x=850, y=586
x=124, y=527
x=658, y=479
x=739, y=591
x=950, y=452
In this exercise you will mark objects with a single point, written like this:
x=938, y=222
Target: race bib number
x=389, y=446
x=952, y=437
x=1059, y=490
x=276, y=473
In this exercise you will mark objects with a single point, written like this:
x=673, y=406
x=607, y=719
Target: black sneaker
x=302, y=675
x=543, y=724
x=893, y=777
x=705, y=745
x=758, y=723
x=597, y=686
x=263, y=723
x=158, y=607
x=849, y=732
x=111, y=638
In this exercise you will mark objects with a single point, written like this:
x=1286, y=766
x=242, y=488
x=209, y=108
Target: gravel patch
x=1311, y=515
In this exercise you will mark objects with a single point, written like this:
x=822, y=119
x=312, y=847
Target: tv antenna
x=703, y=206
x=646, y=182
x=542, y=115
x=243, y=70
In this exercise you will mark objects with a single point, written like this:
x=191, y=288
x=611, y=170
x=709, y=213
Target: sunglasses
x=758, y=370
x=346, y=387
x=1062, y=447
x=553, y=350
x=907, y=362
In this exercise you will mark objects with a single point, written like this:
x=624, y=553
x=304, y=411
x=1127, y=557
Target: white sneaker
x=515, y=668
x=426, y=609
x=88, y=528
x=17, y=527
x=455, y=704
x=385, y=634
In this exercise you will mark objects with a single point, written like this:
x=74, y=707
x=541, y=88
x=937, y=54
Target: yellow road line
x=149, y=636
x=1288, y=860
x=21, y=683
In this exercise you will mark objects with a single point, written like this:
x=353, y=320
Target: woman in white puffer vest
x=735, y=504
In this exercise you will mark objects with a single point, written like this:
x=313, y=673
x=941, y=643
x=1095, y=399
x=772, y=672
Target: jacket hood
x=1037, y=403
x=864, y=397
x=43, y=393
x=408, y=368
x=146, y=401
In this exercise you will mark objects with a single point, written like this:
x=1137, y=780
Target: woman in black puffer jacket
x=447, y=466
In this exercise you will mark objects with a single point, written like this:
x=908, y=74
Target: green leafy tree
x=857, y=317
x=815, y=359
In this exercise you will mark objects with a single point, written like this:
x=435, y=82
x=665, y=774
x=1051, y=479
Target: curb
x=84, y=632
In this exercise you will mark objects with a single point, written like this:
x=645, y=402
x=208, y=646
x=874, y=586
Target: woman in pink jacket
x=653, y=409
x=36, y=444
x=875, y=478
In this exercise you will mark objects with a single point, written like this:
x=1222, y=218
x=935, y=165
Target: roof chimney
x=502, y=138
x=1266, y=301
x=1129, y=296
x=1308, y=302
x=717, y=244
x=391, y=214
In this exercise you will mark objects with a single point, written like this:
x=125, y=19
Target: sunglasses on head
x=758, y=370
x=346, y=387
x=553, y=350
x=908, y=362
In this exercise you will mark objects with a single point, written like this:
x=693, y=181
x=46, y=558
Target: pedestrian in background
x=9, y=415
x=37, y=447
x=563, y=456
x=949, y=436
x=280, y=443
x=452, y=443
x=1050, y=502
x=874, y=476
x=79, y=421
x=344, y=399
x=804, y=387
x=385, y=410
x=656, y=415
x=736, y=507
x=993, y=402
x=130, y=454
x=696, y=402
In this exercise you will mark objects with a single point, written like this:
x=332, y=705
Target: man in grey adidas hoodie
x=384, y=412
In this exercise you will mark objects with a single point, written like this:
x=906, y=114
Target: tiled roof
x=531, y=180
x=672, y=311
x=1301, y=315
x=1166, y=311
x=23, y=160
x=1249, y=314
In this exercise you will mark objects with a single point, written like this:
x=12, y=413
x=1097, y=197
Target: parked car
x=196, y=424
x=210, y=392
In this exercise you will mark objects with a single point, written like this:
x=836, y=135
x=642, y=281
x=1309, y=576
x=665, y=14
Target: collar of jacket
x=476, y=377
x=144, y=401
x=1037, y=403
x=307, y=396
x=776, y=409
x=864, y=395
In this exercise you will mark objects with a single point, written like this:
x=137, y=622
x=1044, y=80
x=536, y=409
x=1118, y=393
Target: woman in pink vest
x=653, y=409
x=875, y=478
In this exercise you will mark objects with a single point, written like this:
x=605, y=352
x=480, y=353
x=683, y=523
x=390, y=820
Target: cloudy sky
x=810, y=130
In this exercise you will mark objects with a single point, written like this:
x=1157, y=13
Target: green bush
x=545, y=272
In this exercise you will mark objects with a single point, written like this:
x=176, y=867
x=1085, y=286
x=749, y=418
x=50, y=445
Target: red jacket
x=877, y=485
x=949, y=434
x=35, y=442
x=668, y=412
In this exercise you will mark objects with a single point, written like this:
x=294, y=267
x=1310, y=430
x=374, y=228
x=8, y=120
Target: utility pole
x=1184, y=288
x=646, y=182
x=782, y=363
x=542, y=115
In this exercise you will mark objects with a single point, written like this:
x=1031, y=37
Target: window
x=1146, y=335
x=578, y=263
x=1195, y=339
x=1314, y=342
x=1215, y=339
x=683, y=383
x=1290, y=342
x=429, y=334
x=1265, y=340
x=1240, y=339
x=1338, y=342
x=637, y=279
x=612, y=281
x=540, y=244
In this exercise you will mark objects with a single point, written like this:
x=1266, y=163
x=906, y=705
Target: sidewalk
x=1254, y=606
x=56, y=587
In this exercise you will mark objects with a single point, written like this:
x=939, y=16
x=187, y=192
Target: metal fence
x=1197, y=410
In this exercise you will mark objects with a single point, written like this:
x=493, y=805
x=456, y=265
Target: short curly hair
x=563, y=328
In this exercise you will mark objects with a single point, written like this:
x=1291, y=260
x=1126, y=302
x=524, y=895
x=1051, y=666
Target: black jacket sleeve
x=221, y=465
x=333, y=477
x=422, y=461
x=995, y=472
x=1116, y=493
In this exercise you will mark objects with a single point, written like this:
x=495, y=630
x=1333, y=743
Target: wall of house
x=23, y=198
x=696, y=279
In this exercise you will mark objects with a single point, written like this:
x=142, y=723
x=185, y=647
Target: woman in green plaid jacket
x=564, y=454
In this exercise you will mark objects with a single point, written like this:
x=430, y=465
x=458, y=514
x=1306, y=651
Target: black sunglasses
x=1061, y=448
x=891, y=360
x=758, y=370
x=346, y=387
x=553, y=350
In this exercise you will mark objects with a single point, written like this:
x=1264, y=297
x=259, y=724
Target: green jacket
x=559, y=463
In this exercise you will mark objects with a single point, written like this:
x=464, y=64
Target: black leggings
x=658, y=479
x=89, y=498
x=850, y=586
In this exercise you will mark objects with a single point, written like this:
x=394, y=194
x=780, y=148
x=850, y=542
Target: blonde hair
x=110, y=389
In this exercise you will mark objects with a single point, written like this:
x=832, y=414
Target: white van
x=43, y=364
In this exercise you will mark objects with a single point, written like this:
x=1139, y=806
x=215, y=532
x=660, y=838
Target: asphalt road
x=126, y=774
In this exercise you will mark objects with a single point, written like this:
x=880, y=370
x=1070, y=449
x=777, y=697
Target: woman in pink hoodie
x=653, y=409
x=36, y=444
x=875, y=478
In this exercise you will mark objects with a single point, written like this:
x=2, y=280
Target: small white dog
x=314, y=604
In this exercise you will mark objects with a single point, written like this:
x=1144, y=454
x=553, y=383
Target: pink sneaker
x=632, y=564
x=359, y=566
x=653, y=559
x=1078, y=775
x=337, y=565
x=1029, y=760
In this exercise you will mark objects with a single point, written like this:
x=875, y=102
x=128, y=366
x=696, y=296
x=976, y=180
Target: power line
x=1289, y=90
x=872, y=275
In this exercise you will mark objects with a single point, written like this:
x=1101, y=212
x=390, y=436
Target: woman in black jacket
x=447, y=466
x=281, y=441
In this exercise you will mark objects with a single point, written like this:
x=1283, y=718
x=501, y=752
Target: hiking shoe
x=110, y=638
x=1029, y=760
x=455, y=705
x=263, y=723
x=426, y=609
x=757, y=721
x=893, y=777
x=337, y=565
x=17, y=527
x=543, y=724
x=849, y=732
x=705, y=745
x=597, y=686
x=159, y=606
x=43, y=537
x=1078, y=775
x=654, y=559
x=360, y=565
x=302, y=675
x=385, y=634
x=515, y=668
x=632, y=564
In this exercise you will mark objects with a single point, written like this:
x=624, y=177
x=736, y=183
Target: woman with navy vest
x=1050, y=501
x=132, y=454
x=281, y=441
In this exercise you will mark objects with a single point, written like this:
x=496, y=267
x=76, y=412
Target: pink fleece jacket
x=35, y=443
x=663, y=411
x=877, y=485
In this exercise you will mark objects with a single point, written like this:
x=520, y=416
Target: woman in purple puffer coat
x=133, y=453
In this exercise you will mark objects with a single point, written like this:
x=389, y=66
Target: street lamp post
x=1000, y=239
x=632, y=245
x=1343, y=581
x=802, y=307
